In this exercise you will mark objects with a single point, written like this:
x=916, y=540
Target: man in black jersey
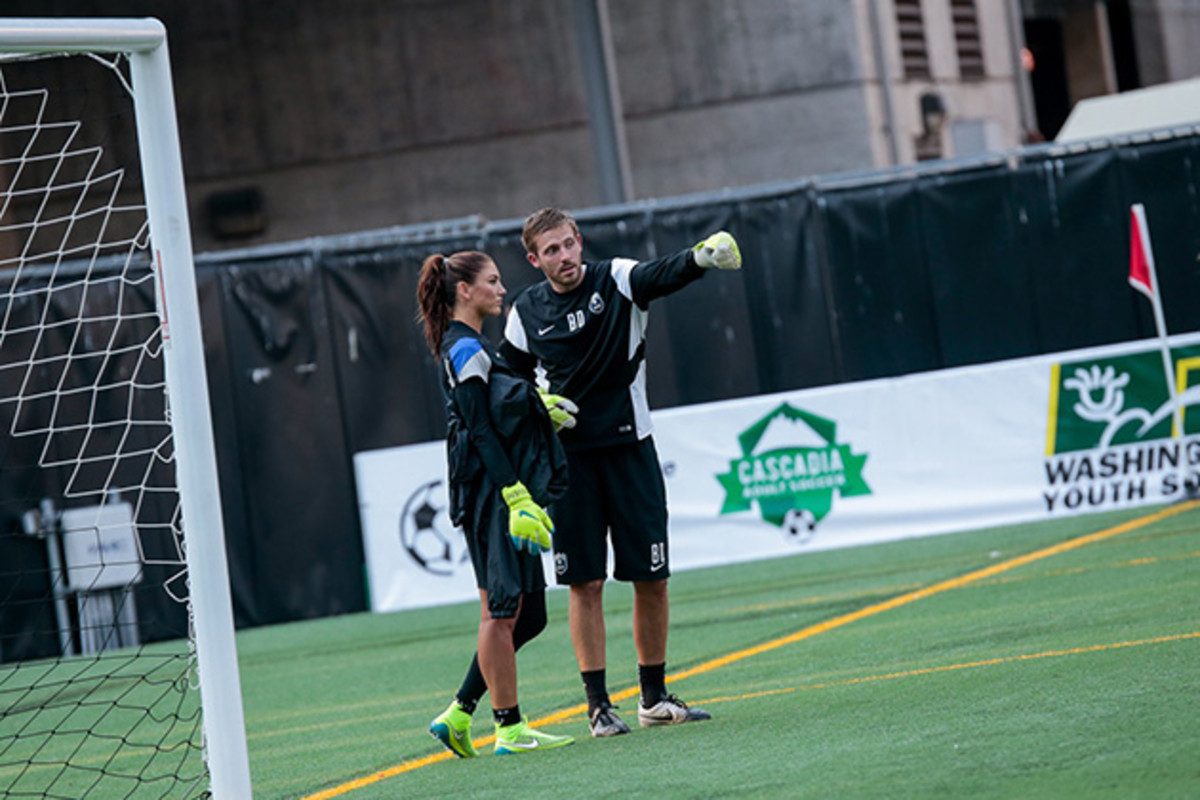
x=584, y=328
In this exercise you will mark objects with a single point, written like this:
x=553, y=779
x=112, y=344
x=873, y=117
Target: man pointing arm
x=585, y=326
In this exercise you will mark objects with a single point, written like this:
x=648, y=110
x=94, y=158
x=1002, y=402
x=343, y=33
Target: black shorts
x=504, y=572
x=617, y=491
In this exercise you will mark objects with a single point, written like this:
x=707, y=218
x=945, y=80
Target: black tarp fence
x=70, y=439
x=314, y=353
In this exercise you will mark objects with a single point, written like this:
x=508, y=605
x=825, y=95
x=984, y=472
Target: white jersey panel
x=514, y=331
x=620, y=269
x=641, y=407
x=638, y=319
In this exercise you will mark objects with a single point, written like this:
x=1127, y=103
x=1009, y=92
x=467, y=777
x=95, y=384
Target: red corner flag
x=1139, y=257
x=1143, y=278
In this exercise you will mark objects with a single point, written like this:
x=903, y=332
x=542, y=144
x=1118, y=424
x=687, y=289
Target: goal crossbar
x=80, y=35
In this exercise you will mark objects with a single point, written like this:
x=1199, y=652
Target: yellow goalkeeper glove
x=529, y=526
x=562, y=411
x=719, y=250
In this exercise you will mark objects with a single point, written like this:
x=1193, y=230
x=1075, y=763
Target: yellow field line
x=805, y=633
x=989, y=662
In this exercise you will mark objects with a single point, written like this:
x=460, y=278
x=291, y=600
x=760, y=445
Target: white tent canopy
x=1169, y=105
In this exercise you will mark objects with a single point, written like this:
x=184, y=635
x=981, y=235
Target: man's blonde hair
x=547, y=219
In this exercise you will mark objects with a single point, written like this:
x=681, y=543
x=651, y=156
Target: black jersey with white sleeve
x=588, y=344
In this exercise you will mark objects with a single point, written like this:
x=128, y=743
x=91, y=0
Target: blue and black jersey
x=590, y=343
x=467, y=363
x=498, y=430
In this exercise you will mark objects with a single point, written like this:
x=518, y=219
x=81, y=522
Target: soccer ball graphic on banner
x=799, y=525
x=426, y=533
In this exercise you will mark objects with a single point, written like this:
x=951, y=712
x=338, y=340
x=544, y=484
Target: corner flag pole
x=1143, y=278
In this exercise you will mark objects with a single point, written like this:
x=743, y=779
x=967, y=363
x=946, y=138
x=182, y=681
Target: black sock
x=473, y=687
x=596, y=686
x=653, y=678
x=507, y=716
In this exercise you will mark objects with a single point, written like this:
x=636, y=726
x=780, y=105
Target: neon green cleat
x=521, y=738
x=453, y=729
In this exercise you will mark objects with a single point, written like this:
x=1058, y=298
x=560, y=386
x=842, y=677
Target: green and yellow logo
x=793, y=485
x=1101, y=403
x=1116, y=436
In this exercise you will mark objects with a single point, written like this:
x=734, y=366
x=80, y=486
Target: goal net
x=118, y=672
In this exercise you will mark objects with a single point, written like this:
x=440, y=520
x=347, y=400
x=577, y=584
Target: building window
x=967, y=40
x=914, y=55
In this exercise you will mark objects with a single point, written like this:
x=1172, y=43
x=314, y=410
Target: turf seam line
x=798, y=636
x=992, y=662
x=987, y=662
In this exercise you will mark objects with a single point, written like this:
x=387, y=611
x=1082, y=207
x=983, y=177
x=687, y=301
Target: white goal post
x=143, y=43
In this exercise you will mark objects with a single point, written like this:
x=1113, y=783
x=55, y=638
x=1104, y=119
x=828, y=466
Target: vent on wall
x=236, y=213
x=914, y=55
x=967, y=40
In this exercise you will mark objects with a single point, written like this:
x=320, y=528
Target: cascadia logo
x=791, y=465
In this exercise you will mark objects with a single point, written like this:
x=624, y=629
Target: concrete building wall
x=1166, y=33
x=720, y=94
x=1181, y=38
x=418, y=112
x=389, y=113
x=991, y=102
x=1087, y=42
x=374, y=113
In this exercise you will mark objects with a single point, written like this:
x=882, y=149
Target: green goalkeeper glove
x=529, y=526
x=719, y=250
x=562, y=411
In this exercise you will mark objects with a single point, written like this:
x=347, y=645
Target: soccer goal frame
x=144, y=43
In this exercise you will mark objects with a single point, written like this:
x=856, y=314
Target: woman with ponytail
x=505, y=465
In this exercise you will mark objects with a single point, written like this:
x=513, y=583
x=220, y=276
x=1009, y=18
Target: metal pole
x=1016, y=37
x=605, y=116
x=885, y=84
x=191, y=422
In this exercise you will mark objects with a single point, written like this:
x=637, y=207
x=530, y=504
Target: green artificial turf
x=1075, y=674
x=1055, y=660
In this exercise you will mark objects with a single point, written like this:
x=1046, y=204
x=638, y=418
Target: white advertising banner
x=1079, y=432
